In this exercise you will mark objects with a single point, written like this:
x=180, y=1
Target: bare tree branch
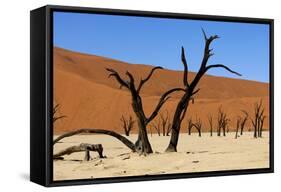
x=205, y=36
x=162, y=100
x=185, y=72
x=127, y=124
x=194, y=92
x=57, y=118
x=113, y=73
x=132, y=80
x=207, y=51
x=221, y=66
x=55, y=110
x=143, y=81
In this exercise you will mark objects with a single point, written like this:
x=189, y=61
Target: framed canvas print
x=119, y=95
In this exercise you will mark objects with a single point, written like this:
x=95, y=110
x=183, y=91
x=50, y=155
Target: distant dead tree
x=55, y=111
x=162, y=124
x=238, y=121
x=189, y=125
x=210, y=120
x=222, y=122
x=165, y=123
x=150, y=129
x=127, y=124
x=142, y=144
x=243, y=121
x=157, y=127
x=190, y=89
x=258, y=119
x=198, y=125
x=169, y=128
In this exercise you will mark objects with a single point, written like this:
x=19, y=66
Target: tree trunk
x=142, y=144
x=255, y=129
x=199, y=132
x=242, y=129
x=172, y=147
x=82, y=147
x=237, y=128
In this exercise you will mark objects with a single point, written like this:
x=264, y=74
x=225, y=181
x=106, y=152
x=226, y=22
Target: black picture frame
x=41, y=59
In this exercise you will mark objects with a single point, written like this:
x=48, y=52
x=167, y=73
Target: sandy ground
x=194, y=154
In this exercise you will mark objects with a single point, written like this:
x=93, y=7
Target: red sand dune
x=90, y=99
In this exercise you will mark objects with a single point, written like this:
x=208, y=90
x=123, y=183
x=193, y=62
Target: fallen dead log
x=79, y=148
x=121, y=138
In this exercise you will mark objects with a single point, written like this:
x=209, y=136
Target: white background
x=14, y=94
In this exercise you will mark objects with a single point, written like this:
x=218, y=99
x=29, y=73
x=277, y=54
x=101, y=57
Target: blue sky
x=243, y=47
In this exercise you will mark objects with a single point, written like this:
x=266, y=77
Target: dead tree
x=55, y=110
x=127, y=124
x=258, y=119
x=240, y=123
x=150, y=129
x=222, y=122
x=237, y=126
x=210, y=119
x=82, y=147
x=169, y=128
x=198, y=126
x=189, y=126
x=162, y=123
x=165, y=123
x=190, y=89
x=142, y=144
x=261, y=126
x=156, y=126
x=243, y=122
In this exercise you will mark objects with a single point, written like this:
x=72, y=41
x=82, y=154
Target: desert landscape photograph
x=137, y=96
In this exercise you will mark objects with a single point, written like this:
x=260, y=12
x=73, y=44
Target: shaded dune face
x=89, y=99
